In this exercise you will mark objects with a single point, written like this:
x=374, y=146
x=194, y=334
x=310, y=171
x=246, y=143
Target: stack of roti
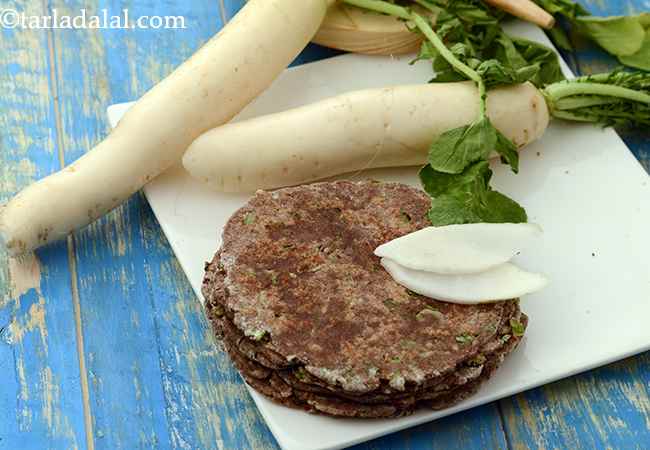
x=311, y=319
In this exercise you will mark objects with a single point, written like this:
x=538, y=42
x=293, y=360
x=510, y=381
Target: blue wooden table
x=103, y=344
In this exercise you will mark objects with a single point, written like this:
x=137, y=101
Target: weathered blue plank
x=156, y=379
x=40, y=396
x=197, y=376
x=602, y=409
x=40, y=399
x=479, y=428
x=609, y=407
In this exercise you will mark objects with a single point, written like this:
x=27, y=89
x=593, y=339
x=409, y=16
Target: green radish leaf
x=644, y=20
x=444, y=71
x=560, y=38
x=427, y=52
x=467, y=42
x=454, y=208
x=565, y=8
x=456, y=149
x=540, y=55
x=508, y=52
x=640, y=59
x=474, y=36
x=475, y=13
x=621, y=36
x=508, y=151
x=467, y=197
x=438, y=183
x=618, y=35
x=495, y=73
x=502, y=209
x=518, y=60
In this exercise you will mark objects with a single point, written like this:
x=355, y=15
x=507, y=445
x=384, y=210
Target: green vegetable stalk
x=625, y=37
x=457, y=176
x=469, y=44
x=618, y=98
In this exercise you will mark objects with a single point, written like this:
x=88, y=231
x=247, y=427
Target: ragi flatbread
x=308, y=313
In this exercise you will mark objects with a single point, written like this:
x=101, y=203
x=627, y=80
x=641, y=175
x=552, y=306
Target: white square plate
x=579, y=181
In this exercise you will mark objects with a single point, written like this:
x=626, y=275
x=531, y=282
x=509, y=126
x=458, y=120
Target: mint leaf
x=455, y=149
x=467, y=197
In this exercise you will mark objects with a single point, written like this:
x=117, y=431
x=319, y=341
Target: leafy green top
x=468, y=43
x=626, y=37
x=473, y=33
x=457, y=176
x=618, y=98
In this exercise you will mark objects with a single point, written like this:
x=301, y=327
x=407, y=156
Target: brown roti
x=296, y=286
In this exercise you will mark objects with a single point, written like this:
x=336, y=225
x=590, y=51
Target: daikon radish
x=503, y=282
x=460, y=249
x=360, y=130
x=209, y=89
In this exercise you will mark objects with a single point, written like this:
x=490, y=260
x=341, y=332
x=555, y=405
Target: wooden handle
x=526, y=10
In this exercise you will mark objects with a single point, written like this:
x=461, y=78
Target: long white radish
x=356, y=131
x=209, y=89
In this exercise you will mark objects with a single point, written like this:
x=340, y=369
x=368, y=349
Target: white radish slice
x=460, y=249
x=503, y=282
x=358, y=30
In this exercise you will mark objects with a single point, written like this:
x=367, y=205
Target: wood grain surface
x=103, y=344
